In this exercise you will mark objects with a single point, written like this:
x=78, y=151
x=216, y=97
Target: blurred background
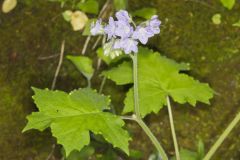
x=203, y=33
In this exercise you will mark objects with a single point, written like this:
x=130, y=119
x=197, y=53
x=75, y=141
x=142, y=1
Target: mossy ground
x=36, y=30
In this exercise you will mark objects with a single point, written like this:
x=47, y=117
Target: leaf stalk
x=173, y=129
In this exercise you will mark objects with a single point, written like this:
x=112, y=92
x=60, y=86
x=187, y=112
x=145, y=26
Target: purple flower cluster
x=123, y=34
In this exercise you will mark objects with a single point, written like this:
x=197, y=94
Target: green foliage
x=83, y=64
x=229, y=4
x=121, y=74
x=186, y=154
x=86, y=31
x=106, y=59
x=67, y=15
x=135, y=154
x=159, y=77
x=120, y=4
x=200, y=149
x=146, y=13
x=84, y=154
x=89, y=6
x=237, y=24
x=72, y=116
x=216, y=19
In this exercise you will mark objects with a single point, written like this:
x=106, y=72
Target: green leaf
x=159, y=77
x=83, y=64
x=106, y=59
x=89, y=6
x=186, y=154
x=86, y=31
x=122, y=74
x=120, y=4
x=228, y=3
x=136, y=154
x=216, y=19
x=72, y=116
x=146, y=13
x=237, y=24
x=67, y=15
x=201, y=149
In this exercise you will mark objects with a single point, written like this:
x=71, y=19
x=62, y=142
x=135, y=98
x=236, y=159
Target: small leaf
x=186, y=154
x=89, y=6
x=216, y=19
x=67, y=15
x=201, y=149
x=237, y=24
x=86, y=31
x=83, y=64
x=228, y=3
x=122, y=74
x=146, y=13
x=120, y=4
x=101, y=55
x=72, y=116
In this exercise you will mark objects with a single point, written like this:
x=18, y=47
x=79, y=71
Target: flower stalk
x=137, y=115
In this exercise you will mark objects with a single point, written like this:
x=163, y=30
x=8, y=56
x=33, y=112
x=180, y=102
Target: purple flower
x=124, y=29
x=154, y=24
x=110, y=28
x=97, y=28
x=142, y=34
x=121, y=34
x=128, y=45
x=123, y=16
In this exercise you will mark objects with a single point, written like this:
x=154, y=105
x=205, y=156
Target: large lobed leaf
x=72, y=116
x=159, y=77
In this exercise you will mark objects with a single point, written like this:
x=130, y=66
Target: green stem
x=89, y=82
x=102, y=84
x=152, y=138
x=173, y=129
x=135, y=85
x=222, y=137
x=137, y=116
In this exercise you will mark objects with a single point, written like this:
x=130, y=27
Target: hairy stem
x=137, y=115
x=152, y=138
x=135, y=85
x=89, y=82
x=224, y=135
x=173, y=129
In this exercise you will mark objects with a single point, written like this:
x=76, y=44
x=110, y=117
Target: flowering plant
x=76, y=118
